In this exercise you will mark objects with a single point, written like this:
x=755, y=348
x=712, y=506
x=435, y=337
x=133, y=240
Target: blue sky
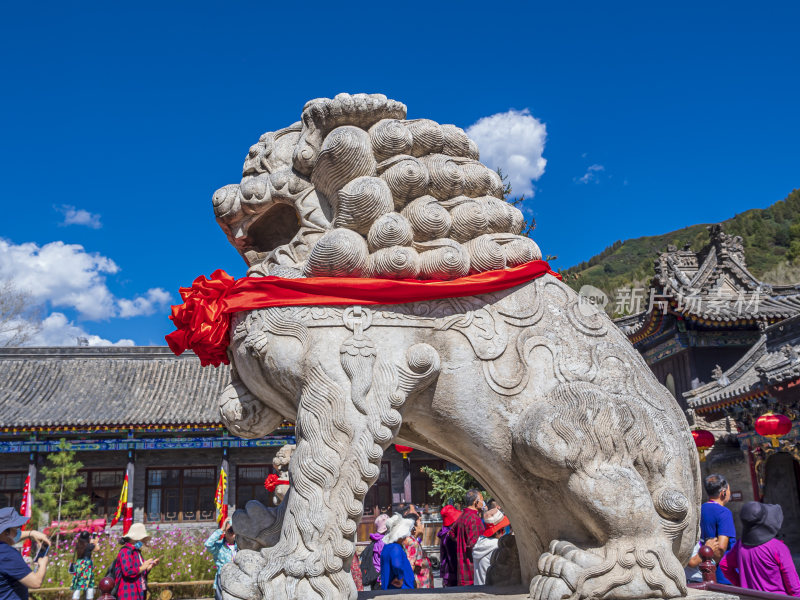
x=119, y=121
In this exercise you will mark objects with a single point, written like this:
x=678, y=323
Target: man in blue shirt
x=16, y=577
x=716, y=521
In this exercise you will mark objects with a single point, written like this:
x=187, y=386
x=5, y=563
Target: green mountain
x=771, y=242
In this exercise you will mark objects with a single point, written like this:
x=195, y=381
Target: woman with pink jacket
x=758, y=560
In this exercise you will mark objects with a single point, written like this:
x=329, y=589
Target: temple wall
x=198, y=457
x=678, y=366
x=212, y=457
x=14, y=462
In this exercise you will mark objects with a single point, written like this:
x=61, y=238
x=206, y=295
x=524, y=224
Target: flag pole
x=25, y=509
x=128, y=520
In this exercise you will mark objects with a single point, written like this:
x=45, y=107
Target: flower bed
x=183, y=559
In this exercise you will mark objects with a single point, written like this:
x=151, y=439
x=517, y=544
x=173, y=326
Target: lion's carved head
x=354, y=189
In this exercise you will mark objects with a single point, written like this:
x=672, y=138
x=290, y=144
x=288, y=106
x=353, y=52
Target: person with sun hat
x=130, y=569
x=759, y=560
x=16, y=577
x=396, y=570
x=496, y=523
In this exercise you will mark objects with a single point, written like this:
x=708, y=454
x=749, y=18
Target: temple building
x=704, y=311
x=726, y=345
x=153, y=415
x=766, y=379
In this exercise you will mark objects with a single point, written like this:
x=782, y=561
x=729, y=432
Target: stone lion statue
x=539, y=396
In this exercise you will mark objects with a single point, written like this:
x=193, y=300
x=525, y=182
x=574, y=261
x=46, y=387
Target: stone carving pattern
x=258, y=526
x=281, y=464
x=375, y=195
x=504, y=564
x=337, y=459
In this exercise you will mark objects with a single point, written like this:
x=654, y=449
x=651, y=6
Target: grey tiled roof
x=774, y=359
x=713, y=285
x=631, y=323
x=60, y=386
x=741, y=379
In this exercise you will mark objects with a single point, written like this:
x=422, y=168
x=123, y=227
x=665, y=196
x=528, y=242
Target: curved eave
x=730, y=399
x=714, y=392
x=651, y=327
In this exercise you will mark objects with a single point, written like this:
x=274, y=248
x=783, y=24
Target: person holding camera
x=82, y=568
x=222, y=546
x=16, y=577
x=129, y=568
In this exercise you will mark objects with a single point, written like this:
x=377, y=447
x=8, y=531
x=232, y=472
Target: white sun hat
x=397, y=529
x=137, y=533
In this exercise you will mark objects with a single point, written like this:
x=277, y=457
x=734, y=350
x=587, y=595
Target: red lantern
x=404, y=450
x=703, y=440
x=773, y=426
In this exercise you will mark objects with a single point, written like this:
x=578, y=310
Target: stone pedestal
x=485, y=592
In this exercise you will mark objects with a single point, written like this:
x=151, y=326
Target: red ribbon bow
x=272, y=481
x=201, y=321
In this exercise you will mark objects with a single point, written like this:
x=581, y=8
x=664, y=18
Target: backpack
x=112, y=572
x=369, y=576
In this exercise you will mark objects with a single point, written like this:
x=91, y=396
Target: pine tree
x=57, y=491
x=451, y=486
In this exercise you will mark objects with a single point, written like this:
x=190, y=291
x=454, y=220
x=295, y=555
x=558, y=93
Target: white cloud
x=65, y=275
x=591, y=174
x=57, y=330
x=61, y=274
x=79, y=216
x=154, y=299
x=513, y=141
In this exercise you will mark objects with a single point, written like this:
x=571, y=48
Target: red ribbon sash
x=272, y=481
x=203, y=320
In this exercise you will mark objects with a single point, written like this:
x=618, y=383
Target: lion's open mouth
x=276, y=227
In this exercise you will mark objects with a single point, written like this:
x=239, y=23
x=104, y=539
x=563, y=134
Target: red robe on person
x=466, y=531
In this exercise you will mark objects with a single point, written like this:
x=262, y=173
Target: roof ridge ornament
x=728, y=246
x=720, y=377
x=790, y=352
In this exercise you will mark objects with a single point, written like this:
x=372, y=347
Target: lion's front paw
x=624, y=569
x=560, y=571
x=238, y=579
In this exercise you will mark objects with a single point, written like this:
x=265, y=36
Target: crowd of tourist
x=129, y=568
x=395, y=559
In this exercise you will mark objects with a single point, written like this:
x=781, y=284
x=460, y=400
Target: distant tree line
x=770, y=236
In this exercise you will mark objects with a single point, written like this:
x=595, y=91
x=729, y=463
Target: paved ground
x=488, y=593
x=473, y=593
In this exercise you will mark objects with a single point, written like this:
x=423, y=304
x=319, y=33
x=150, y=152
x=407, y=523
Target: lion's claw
x=623, y=573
